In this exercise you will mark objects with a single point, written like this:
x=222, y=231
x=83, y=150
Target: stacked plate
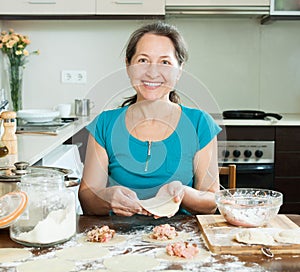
x=37, y=116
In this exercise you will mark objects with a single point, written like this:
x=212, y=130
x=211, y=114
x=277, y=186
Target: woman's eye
x=142, y=61
x=166, y=62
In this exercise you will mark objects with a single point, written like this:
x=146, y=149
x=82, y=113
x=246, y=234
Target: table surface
x=124, y=225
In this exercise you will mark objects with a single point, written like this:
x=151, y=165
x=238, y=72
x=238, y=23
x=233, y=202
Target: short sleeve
x=97, y=129
x=207, y=129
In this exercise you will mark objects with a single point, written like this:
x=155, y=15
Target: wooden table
x=188, y=223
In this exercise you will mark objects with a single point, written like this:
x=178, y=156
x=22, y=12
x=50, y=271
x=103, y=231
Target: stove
x=246, y=152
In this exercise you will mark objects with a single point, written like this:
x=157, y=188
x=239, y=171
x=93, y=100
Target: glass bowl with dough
x=248, y=207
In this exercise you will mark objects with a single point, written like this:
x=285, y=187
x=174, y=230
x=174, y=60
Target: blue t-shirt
x=143, y=166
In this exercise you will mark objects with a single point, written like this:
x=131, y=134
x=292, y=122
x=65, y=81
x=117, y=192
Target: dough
x=201, y=256
x=160, y=206
x=180, y=237
x=13, y=254
x=47, y=265
x=130, y=263
x=290, y=236
x=90, y=251
x=254, y=237
x=115, y=240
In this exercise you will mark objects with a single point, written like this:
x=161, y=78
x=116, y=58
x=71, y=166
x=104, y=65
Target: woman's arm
x=201, y=198
x=94, y=197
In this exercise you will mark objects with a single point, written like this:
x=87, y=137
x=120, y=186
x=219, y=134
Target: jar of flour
x=50, y=215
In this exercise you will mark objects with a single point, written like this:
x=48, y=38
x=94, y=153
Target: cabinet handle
x=42, y=2
x=129, y=2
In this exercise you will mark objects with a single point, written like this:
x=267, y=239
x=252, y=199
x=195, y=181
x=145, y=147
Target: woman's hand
x=174, y=189
x=122, y=200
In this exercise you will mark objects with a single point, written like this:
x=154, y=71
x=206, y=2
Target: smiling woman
x=152, y=146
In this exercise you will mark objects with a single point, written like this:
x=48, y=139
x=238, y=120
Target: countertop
x=137, y=226
x=287, y=120
x=33, y=147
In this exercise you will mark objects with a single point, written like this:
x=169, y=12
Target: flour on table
x=89, y=251
x=14, y=254
x=254, y=237
x=290, y=236
x=130, y=263
x=46, y=265
x=160, y=206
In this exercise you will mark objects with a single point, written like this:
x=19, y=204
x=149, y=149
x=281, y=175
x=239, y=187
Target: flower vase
x=16, y=86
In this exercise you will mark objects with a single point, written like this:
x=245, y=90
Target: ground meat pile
x=163, y=232
x=102, y=235
x=182, y=249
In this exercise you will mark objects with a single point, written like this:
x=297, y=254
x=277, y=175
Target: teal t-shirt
x=130, y=163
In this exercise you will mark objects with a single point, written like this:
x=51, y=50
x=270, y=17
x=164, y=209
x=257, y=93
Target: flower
x=14, y=46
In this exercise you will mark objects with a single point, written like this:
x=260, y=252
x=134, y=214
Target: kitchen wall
x=236, y=61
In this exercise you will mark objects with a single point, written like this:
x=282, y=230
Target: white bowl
x=37, y=116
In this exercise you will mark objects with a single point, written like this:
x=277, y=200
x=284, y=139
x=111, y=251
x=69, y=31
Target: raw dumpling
x=290, y=236
x=254, y=237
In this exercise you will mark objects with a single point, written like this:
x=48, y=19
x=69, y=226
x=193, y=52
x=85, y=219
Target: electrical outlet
x=77, y=77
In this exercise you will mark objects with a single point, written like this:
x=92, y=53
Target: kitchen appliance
x=285, y=7
x=83, y=107
x=50, y=128
x=249, y=114
x=254, y=162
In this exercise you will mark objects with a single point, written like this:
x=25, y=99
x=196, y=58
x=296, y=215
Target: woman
x=152, y=145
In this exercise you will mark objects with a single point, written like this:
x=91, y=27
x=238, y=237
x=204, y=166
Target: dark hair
x=161, y=29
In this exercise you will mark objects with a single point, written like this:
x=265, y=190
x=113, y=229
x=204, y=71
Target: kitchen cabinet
x=287, y=170
x=130, y=7
x=218, y=7
x=47, y=7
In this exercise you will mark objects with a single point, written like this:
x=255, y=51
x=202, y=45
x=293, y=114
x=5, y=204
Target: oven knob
x=247, y=153
x=258, y=153
x=236, y=153
x=225, y=153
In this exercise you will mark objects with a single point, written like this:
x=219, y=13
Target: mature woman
x=152, y=145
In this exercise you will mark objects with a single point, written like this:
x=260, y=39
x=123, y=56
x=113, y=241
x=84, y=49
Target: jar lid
x=12, y=206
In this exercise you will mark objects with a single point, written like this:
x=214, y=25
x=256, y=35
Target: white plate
x=37, y=116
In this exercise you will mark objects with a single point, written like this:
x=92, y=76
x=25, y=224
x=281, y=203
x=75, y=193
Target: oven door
x=252, y=176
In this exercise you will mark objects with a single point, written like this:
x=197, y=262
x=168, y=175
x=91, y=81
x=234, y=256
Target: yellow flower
x=25, y=52
x=18, y=52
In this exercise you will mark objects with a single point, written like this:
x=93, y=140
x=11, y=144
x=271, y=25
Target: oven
x=254, y=162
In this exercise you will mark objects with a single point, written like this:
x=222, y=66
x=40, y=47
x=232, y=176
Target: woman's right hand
x=123, y=201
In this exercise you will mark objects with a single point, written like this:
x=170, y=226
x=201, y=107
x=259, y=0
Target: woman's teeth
x=152, y=84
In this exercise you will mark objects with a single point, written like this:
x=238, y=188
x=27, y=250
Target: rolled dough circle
x=115, y=240
x=130, y=263
x=180, y=237
x=47, y=265
x=90, y=251
x=14, y=254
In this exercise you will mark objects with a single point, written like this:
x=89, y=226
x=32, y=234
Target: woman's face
x=154, y=69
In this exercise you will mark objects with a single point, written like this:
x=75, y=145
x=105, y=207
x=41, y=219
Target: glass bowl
x=248, y=207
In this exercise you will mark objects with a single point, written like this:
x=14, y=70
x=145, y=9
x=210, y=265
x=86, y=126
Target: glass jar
x=50, y=215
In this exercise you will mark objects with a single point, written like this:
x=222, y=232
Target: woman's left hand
x=175, y=189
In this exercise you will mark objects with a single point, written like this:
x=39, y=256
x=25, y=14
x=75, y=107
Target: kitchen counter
x=33, y=147
x=137, y=225
x=287, y=120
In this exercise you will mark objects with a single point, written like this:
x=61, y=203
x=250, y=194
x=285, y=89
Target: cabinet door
x=47, y=7
x=218, y=2
x=131, y=7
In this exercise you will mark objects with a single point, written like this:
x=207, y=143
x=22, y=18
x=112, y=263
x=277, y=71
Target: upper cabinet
x=47, y=7
x=218, y=7
x=285, y=8
x=130, y=7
